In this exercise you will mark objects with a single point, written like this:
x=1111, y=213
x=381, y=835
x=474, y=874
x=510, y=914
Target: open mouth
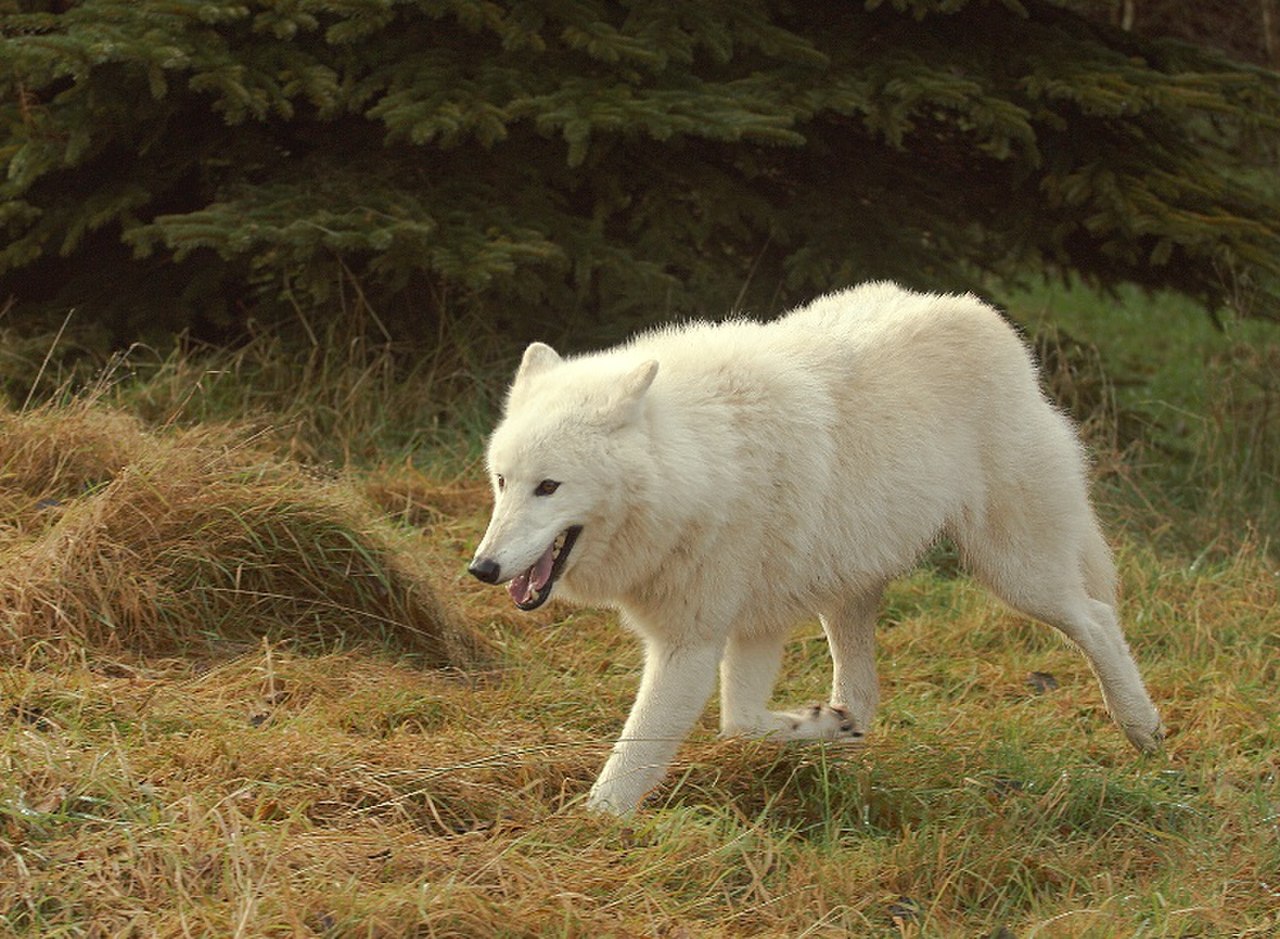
x=530, y=589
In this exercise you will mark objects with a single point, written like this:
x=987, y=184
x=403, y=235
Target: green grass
x=1192, y=410
x=1158, y=345
x=321, y=782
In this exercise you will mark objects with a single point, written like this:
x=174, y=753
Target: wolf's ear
x=638, y=380
x=624, y=403
x=538, y=357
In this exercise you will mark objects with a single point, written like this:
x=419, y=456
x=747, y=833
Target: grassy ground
x=315, y=778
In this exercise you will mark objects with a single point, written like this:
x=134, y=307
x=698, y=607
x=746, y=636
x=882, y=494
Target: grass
x=285, y=791
x=119, y=538
x=180, y=757
x=1190, y=408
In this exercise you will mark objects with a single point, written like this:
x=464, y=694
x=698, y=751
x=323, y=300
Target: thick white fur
x=733, y=479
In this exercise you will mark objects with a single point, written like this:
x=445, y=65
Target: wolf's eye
x=502, y=482
x=546, y=487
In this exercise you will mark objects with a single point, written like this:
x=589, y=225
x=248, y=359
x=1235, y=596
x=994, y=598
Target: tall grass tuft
x=345, y=394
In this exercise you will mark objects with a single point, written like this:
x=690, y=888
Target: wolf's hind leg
x=1092, y=626
x=1066, y=581
x=747, y=674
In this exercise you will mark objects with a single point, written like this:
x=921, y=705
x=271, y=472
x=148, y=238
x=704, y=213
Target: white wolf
x=718, y=483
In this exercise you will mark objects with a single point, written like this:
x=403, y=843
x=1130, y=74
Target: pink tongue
x=525, y=584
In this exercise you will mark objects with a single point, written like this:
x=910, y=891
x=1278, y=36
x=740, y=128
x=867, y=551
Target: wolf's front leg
x=851, y=633
x=677, y=681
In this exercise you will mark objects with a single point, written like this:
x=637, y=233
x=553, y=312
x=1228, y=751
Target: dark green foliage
x=200, y=162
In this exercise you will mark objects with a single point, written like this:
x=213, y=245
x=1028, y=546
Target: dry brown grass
x=125, y=539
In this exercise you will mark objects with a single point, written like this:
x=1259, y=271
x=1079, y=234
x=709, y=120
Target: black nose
x=484, y=569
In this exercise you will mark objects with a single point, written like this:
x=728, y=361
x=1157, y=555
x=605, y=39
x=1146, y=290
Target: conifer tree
x=199, y=162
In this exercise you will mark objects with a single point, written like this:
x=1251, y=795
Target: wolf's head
x=557, y=461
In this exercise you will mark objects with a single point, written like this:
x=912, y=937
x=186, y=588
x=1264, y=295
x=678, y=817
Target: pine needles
x=659, y=154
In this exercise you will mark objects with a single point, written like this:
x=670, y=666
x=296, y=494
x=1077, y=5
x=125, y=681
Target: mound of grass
x=119, y=538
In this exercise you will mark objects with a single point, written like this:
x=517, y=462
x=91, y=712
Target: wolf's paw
x=818, y=722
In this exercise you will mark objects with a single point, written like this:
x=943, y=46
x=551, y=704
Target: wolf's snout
x=485, y=569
